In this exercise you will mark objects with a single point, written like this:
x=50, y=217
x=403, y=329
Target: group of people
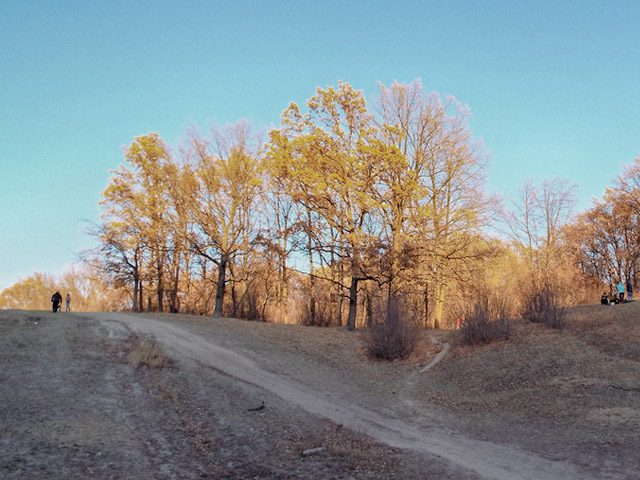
x=618, y=296
x=56, y=300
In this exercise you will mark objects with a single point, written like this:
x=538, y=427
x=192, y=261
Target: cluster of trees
x=89, y=292
x=343, y=208
x=345, y=212
x=604, y=240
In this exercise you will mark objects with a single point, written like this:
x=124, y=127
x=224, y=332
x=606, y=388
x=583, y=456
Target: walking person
x=56, y=299
x=68, y=302
x=629, y=291
x=621, y=291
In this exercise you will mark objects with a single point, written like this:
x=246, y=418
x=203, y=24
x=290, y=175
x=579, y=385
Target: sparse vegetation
x=542, y=306
x=578, y=385
x=143, y=352
x=485, y=321
x=394, y=337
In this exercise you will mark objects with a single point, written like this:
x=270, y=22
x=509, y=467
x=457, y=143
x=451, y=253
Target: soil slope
x=235, y=399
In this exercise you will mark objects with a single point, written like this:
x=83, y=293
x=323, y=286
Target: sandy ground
x=243, y=400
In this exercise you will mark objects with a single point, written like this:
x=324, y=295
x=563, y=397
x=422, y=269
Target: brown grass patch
x=143, y=352
x=393, y=337
x=485, y=318
x=543, y=306
x=615, y=416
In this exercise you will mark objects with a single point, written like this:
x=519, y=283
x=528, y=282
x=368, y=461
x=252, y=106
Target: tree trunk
x=160, y=288
x=353, y=304
x=426, y=305
x=264, y=309
x=396, y=250
x=222, y=277
x=312, y=290
x=156, y=262
x=440, y=293
x=283, y=293
x=312, y=309
x=234, y=298
x=174, y=291
x=340, y=280
x=134, y=306
x=369, y=308
x=140, y=296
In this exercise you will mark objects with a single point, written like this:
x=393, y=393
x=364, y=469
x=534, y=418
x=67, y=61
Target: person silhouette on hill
x=55, y=301
x=68, y=302
x=621, y=291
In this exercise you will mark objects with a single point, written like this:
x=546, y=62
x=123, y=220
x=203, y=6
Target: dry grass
x=543, y=306
x=143, y=352
x=394, y=337
x=569, y=376
x=569, y=392
x=481, y=325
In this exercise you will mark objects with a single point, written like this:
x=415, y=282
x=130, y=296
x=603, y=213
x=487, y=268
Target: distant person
x=56, y=299
x=604, y=300
x=613, y=299
x=68, y=302
x=621, y=291
x=629, y=291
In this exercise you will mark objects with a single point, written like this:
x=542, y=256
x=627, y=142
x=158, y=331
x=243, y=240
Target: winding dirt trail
x=383, y=423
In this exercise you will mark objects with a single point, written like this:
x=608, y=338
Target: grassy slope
x=575, y=391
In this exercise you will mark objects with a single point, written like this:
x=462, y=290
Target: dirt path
x=384, y=423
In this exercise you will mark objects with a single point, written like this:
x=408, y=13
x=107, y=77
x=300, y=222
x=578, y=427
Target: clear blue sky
x=553, y=86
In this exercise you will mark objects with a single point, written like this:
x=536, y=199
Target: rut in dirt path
x=489, y=460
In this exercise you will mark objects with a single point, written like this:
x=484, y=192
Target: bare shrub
x=143, y=352
x=323, y=316
x=542, y=305
x=485, y=321
x=394, y=337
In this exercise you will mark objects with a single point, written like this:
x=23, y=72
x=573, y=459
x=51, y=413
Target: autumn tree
x=279, y=239
x=88, y=291
x=397, y=189
x=431, y=188
x=31, y=293
x=220, y=188
x=628, y=186
x=536, y=224
x=137, y=202
x=120, y=257
x=603, y=240
x=325, y=158
x=627, y=191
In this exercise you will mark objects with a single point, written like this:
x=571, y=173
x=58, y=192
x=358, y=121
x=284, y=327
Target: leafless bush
x=146, y=353
x=394, y=337
x=325, y=314
x=541, y=305
x=485, y=321
x=252, y=306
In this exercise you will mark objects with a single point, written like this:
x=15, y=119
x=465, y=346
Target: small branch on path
x=312, y=451
x=626, y=389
